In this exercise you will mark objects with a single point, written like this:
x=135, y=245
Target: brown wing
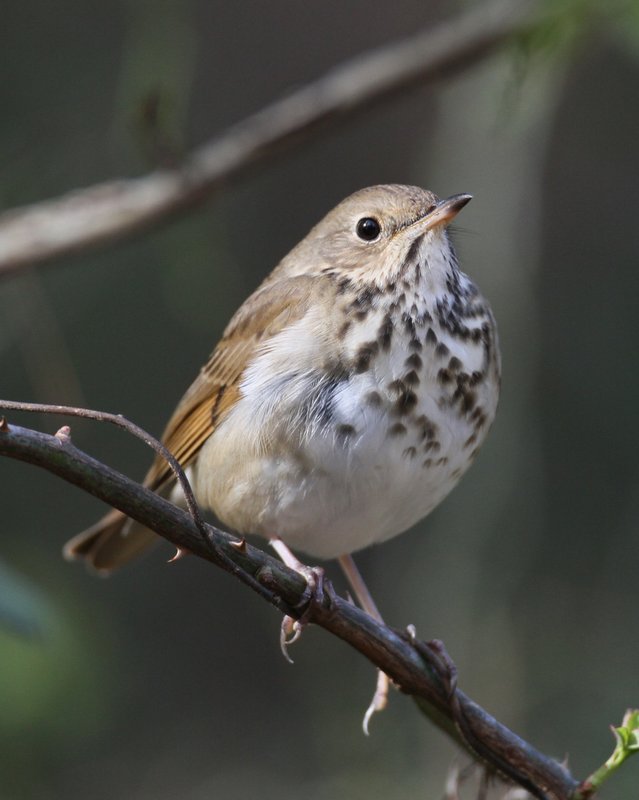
x=115, y=539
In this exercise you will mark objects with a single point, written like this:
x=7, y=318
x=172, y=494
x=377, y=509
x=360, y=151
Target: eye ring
x=368, y=229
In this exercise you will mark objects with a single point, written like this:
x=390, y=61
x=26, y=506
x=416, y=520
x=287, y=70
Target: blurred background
x=168, y=681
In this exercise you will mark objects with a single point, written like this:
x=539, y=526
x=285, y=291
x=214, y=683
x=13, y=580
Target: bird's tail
x=110, y=543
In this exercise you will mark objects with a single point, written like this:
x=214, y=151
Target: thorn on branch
x=63, y=434
x=484, y=737
x=180, y=552
x=240, y=545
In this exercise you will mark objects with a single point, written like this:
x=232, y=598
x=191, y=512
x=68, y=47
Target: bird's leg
x=291, y=629
x=356, y=582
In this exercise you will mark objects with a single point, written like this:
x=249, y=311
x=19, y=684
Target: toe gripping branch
x=317, y=588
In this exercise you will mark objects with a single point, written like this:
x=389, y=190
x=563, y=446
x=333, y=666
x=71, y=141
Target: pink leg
x=354, y=578
x=291, y=629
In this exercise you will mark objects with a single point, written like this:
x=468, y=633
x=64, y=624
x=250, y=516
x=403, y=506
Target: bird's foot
x=291, y=629
x=379, y=701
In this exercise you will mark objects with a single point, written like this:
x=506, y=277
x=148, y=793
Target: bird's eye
x=368, y=229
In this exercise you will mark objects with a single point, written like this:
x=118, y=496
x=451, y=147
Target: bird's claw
x=290, y=631
x=314, y=592
x=379, y=701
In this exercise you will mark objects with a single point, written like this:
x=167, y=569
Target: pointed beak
x=443, y=213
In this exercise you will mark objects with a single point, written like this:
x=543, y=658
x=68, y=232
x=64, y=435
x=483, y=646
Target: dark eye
x=368, y=229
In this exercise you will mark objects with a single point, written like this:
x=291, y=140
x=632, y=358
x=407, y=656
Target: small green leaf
x=626, y=744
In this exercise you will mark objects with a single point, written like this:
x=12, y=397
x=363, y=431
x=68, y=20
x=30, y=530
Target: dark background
x=168, y=681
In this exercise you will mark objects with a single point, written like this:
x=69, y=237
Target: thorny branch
x=420, y=669
x=113, y=210
x=116, y=209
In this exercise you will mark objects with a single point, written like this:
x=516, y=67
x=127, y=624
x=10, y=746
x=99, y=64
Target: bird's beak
x=443, y=213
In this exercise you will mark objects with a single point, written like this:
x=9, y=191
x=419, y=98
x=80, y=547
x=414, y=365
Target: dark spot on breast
x=441, y=351
x=427, y=463
x=470, y=441
x=483, y=419
x=413, y=251
x=414, y=361
x=409, y=324
x=418, y=271
x=397, y=429
x=411, y=378
x=431, y=337
x=476, y=377
x=479, y=418
x=343, y=285
x=427, y=428
x=363, y=303
x=405, y=403
x=385, y=333
x=373, y=399
x=365, y=355
x=432, y=446
x=441, y=461
x=456, y=473
x=454, y=364
x=444, y=376
x=409, y=452
x=344, y=431
x=341, y=333
x=366, y=296
x=397, y=386
x=468, y=399
x=415, y=344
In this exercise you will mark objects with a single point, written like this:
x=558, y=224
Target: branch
x=111, y=211
x=420, y=669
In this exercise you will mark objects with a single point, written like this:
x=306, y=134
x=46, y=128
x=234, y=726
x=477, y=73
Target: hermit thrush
x=348, y=394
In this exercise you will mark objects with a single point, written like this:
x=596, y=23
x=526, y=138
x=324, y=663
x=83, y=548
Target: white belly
x=326, y=489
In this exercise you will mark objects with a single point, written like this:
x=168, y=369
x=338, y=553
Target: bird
x=346, y=398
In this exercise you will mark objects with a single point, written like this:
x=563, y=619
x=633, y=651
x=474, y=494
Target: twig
x=396, y=653
x=116, y=209
x=135, y=430
x=626, y=745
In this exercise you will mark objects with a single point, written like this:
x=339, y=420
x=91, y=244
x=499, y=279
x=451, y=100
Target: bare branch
x=420, y=669
x=135, y=430
x=116, y=209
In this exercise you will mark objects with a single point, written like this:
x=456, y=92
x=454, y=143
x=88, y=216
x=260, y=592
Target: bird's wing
x=115, y=539
x=215, y=391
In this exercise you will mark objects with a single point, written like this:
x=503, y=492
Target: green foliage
x=626, y=744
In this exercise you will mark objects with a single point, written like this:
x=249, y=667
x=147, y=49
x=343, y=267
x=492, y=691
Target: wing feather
x=115, y=539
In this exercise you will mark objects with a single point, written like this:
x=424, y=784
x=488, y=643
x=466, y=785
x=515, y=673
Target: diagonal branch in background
x=419, y=669
x=111, y=211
